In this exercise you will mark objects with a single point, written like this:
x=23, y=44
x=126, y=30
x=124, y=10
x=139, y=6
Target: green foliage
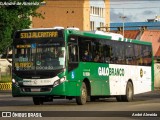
x=15, y=17
x=6, y=79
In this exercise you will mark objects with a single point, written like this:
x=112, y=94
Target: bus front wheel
x=81, y=100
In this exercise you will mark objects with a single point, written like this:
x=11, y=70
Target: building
x=154, y=37
x=146, y=31
x=152, y=25
x=84, y=14
x=99, y=14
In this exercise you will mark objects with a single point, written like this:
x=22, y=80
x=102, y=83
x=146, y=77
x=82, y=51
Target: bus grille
x=36, y=89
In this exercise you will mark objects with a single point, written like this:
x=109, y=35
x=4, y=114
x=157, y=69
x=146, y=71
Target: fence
x=0, y=75
x=5, y=86
x=157, y=75
x=5, y=70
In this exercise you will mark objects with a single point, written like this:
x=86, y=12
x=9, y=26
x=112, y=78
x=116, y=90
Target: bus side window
x=129, y=54
x=73, y=53
x=107, y=53
x=146, y=53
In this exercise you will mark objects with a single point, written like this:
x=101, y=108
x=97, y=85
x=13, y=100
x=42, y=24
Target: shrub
x=6, y=79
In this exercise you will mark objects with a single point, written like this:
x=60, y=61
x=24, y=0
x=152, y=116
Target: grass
x=6, y=79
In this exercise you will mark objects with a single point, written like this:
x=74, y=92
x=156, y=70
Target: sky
x=134, y=10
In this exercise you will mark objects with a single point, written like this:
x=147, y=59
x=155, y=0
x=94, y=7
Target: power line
x=104, y=8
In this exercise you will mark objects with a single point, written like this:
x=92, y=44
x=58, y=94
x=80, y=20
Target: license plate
x=35, y=89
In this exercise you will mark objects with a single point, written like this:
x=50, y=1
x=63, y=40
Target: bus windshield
x=39, y=56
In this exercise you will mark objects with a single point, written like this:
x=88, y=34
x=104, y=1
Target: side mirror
x=8, y=56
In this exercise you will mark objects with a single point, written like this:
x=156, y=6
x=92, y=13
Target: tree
x=15, y=15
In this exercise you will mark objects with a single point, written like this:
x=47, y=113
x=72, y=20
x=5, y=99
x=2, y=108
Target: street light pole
x=123, y=19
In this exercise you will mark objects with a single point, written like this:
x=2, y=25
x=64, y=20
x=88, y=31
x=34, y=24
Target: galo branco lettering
x=106, y=71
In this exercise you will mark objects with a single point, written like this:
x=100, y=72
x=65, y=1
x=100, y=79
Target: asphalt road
x=146, y=103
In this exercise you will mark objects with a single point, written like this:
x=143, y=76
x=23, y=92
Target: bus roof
x=95, y=34
x=109, y=36
x=36, y=29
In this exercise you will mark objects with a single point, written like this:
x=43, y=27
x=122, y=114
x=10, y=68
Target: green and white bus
x=49, y=63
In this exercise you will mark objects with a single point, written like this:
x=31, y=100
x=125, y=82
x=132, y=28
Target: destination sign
x=24, y=64
x=39, y=34
x=23, y=46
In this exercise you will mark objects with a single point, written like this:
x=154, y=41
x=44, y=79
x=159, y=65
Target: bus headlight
x=59, y=81
x=14, y=82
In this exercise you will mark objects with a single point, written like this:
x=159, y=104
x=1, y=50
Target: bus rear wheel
x=129, y=93
x=37, y=101
x=82, y=99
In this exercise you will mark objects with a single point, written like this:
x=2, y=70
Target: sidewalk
x=5, y=91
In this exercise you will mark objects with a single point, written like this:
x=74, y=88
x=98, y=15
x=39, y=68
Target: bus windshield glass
x=46, y=55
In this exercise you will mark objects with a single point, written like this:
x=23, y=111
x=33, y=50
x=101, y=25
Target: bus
x=49, y=63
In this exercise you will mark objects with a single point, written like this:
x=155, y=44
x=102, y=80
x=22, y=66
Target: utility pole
x=123, y=20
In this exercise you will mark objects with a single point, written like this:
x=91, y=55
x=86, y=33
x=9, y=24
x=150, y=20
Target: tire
x=82, y=99
x=129, y=93
x=37, y=101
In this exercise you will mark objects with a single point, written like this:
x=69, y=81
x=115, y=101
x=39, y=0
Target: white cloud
x=136, y=11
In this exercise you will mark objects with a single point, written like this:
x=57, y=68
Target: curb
x=5, y=91
x=5, y=86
